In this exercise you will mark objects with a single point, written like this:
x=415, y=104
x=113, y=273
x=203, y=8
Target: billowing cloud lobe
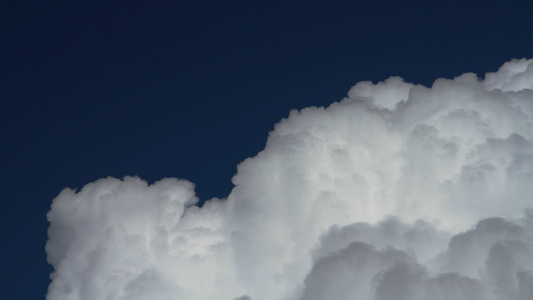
x=399, y=191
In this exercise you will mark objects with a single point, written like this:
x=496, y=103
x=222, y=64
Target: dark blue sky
x=188, y=89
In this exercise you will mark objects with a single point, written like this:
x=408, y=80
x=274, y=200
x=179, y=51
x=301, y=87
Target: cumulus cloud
x=493, y=260
x=399, y=191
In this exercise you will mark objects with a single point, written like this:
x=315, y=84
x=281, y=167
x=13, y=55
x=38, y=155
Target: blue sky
x=189, y=89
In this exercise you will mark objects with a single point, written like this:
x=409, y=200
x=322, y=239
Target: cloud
x=490, y=261
x=373, y=197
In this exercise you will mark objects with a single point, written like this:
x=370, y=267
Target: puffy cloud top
x=399, y=191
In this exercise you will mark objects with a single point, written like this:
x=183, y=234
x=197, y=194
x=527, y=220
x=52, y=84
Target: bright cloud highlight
x=399, y=191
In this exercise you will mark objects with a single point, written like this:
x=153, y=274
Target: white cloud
x=389, y=260
x=357, y=200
